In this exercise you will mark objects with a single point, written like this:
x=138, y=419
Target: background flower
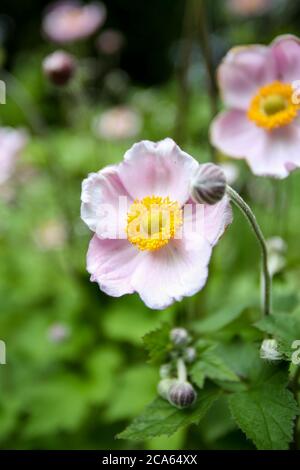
x=70, y=21
x=120, y=122
x=262, y=123
x=12, y=142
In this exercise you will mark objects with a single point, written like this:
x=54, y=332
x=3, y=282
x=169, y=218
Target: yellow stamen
x=273, y=106
x=152, y=222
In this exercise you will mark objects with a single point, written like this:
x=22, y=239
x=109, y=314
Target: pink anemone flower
x=157, y=252
x=260, y=86
x=70, y=21
x=12, y=142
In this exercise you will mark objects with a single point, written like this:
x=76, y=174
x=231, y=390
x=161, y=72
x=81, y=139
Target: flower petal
x=160, y=169
x=234, y=134
x=112, y=263
x=102, y=209
x=177, y=270
x=243, y=71
x=286, y=50
x=268, y=153
x=216, y=220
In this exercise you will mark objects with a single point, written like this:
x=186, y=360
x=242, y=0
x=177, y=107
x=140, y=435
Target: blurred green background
x=76, y=371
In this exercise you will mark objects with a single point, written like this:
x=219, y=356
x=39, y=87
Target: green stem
x=267, y=281
x=182, y=75
x=201, y=19
x=181, y=370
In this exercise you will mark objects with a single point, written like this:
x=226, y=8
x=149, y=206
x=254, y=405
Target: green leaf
x=157, y=343
x=265, y=411
x=211, y=366
x=133, y=390
x=220, y=319
x=285, y=327
x=160, y=418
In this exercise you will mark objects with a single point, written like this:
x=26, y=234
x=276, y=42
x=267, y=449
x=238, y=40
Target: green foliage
x=285, y=327
x=265, y=412
x=157, y=343
x=210, y=365
x=160, y=418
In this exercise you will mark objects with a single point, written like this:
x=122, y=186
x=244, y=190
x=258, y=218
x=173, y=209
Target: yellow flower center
x=152, y=222
x=273, y=106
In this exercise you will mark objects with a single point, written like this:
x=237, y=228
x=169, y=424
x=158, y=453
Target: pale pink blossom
x=110, y=42
x=259, y=84
x=249, y=7
x=51, y=235
x=12, y=142
x=160, y=269
x=118, y=123
x=69, y=21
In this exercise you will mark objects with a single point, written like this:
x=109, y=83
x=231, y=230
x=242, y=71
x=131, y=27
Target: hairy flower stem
x=205, y=45
x=267, y=280
x=184, y=92
x=181, y=370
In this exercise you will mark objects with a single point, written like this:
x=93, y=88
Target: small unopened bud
x=269, y=350
x=189, y=355
x=179, y=336
x=164, y=386
x=59, y=67
x=165, y=371
x=182, y=394
x=208, y=184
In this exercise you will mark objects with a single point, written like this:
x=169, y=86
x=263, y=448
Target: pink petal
x=160, y=169
x=243, y=71
x=286, y=50
x=102, y=209
x=268, y=153
x=112, y=263
x=234, y=134
x=216, y=220
x=180, y=269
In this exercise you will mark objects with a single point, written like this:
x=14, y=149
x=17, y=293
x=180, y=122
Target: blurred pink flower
x=120, y=122
x=259, y=85
x=159, y=265
x=110, y=41
x=249, y=7
x=58, y=332
x=12, y=142
x=70, y=21
x=51, y=235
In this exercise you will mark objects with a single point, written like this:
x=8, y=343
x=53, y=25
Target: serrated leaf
x=265, y=412
x=285, y=327
x=160, y=418
x=211, y=366
x=157, y=343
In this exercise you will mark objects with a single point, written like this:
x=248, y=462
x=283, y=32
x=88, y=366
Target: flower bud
x=164, y=386
x=269, y=350
x=208, y=185
x=182, y=394
x=189, y=355
x=179, y=336
x=59, y=67
x=165, y=371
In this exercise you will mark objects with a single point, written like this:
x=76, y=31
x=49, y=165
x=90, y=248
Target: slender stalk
x=181, y=370
x=183, y=70
x=201, y=19
x=267, y=280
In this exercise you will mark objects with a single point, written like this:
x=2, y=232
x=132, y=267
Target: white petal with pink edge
x=243, y=71
x=160, y=169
